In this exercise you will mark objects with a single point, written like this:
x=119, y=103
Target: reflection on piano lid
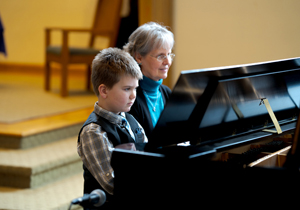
x=216, y=104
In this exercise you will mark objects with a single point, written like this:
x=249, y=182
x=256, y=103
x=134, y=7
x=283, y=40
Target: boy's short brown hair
x=110, y=65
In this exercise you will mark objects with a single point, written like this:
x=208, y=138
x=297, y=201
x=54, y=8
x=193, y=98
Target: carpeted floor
x=47, y=175
x=23, y=97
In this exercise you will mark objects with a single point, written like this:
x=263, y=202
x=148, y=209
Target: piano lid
x=214, y=104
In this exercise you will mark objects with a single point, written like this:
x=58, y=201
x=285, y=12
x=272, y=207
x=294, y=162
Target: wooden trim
x=21, y=68
x=39, y=125
x=39, y=68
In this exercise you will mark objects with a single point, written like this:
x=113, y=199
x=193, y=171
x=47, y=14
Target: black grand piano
x=226, y=138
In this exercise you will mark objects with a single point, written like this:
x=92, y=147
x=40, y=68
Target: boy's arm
x=95, y=151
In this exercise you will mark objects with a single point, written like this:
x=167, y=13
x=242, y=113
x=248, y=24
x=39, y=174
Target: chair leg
x=47, y=76
x=88, y=77
x=64, y=80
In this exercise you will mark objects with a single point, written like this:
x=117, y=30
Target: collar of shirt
x=110, y=116
x=113, y=118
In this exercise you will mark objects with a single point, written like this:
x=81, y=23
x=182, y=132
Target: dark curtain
x=2, y=45
x=128, y=24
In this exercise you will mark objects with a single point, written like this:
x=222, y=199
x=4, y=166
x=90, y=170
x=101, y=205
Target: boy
x=115, y=76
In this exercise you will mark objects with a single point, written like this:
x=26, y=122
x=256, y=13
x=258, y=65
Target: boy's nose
x=133, y=95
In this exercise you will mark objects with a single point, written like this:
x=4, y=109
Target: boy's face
x=122, y=95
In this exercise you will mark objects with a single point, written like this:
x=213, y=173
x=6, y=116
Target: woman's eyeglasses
x=161, y=58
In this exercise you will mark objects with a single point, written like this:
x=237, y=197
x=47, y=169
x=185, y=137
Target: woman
x=151, y=45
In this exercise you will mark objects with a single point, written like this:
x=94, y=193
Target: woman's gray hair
x=148, y=37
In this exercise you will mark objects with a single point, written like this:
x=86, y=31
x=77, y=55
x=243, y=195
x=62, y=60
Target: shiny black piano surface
x=210, y=105
x=215, y=109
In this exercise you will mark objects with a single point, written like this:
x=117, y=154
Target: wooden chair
x=106, y=23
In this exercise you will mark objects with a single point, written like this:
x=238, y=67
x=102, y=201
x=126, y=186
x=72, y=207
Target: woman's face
x=153, y=68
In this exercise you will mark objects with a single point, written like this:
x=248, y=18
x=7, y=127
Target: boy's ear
x=102, y=90
x=138, y=57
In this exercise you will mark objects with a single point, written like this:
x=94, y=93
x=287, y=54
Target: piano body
x=241, y=122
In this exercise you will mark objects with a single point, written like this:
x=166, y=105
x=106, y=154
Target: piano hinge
x=272, y=115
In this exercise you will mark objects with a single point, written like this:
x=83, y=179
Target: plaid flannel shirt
x=95, y=149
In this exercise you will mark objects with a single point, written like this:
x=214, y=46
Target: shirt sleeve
x=95, y=151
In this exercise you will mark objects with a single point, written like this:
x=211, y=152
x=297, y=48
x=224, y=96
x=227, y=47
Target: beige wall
x=24, y=23
x=208, y=33
x=211, y=33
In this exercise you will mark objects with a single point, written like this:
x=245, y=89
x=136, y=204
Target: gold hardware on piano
x=272, y=115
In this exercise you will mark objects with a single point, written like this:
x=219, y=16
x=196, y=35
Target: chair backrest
x=107, y=20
